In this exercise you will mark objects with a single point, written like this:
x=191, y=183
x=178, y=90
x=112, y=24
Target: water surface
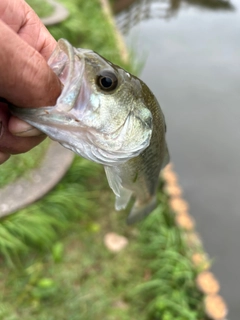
x=193, y=67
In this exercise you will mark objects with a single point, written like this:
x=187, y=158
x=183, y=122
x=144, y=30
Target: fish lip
x=69, y=65
x=47, y=116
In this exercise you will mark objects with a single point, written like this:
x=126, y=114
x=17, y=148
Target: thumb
x=26, y=79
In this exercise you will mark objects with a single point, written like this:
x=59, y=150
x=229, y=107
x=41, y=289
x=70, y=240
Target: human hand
x=26, y=79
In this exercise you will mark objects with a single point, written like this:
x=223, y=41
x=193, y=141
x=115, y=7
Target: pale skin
x=25, y=78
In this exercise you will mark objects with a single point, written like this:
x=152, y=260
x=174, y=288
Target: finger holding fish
x=108, y=116
x=10, y=143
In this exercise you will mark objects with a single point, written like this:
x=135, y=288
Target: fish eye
x=107, y=80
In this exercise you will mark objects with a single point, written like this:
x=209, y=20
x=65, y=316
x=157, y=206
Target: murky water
x=193, y=66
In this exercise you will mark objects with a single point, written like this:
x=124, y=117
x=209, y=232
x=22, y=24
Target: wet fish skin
x=123, y=129
x=141, y=174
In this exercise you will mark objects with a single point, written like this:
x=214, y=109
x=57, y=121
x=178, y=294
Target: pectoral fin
x=139, y=212
x=123, y=195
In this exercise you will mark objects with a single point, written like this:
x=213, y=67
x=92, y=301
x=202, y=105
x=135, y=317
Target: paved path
x=39, y=181
x=59, y=14
x=193, y=67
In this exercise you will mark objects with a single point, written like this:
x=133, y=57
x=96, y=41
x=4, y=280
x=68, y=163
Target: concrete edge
x=25, y=191
x=57, y=161
x=60, y=14
x=214, y=304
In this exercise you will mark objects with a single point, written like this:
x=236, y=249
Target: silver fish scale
x=123, y=129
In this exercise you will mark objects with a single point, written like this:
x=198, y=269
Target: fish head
x=100, y=114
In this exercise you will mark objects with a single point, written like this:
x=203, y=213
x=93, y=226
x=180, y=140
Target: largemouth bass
x=109, y=116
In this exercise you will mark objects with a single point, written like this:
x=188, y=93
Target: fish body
x=108, y=116
x=141, y=174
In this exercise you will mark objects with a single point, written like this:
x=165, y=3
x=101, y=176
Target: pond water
x=192, y=64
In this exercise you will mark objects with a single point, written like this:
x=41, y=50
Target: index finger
x=22, y=19
x=26, y=79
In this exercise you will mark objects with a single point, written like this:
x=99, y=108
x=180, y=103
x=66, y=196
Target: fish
x=109, y=116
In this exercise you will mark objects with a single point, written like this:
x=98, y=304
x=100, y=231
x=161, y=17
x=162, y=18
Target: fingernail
x=1, y=128
x=21, y=128
x=4, y=157
x=31, y=132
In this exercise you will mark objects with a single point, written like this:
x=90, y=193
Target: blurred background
x=56, y=262
x=191, y=60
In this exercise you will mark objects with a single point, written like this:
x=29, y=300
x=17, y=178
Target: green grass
x=170, y=293
x=64, y=270
x=19, y=165
x=87, y=28
x=41, y=7
x=24, y=162
x=53, y=261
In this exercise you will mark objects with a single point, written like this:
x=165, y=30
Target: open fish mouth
x=75, y=122
x=68, y=63
x=69, y=67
